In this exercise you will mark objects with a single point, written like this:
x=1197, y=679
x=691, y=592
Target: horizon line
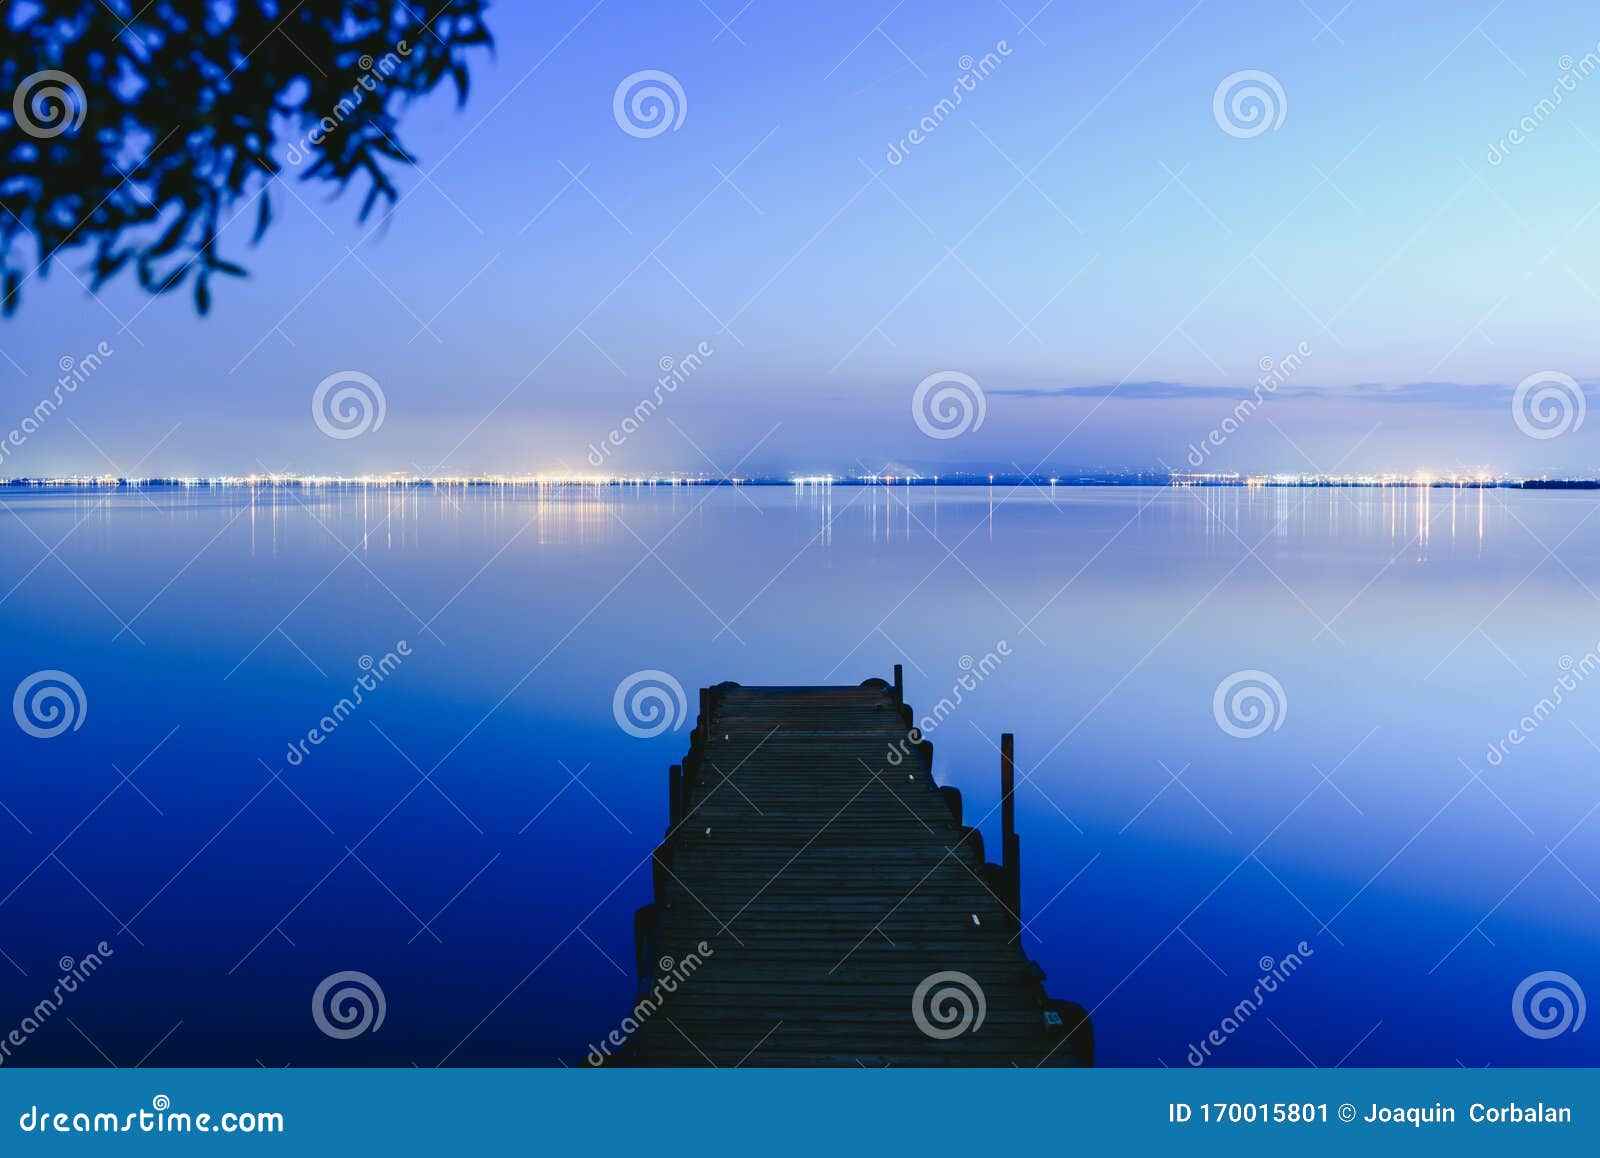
x=1145, y=477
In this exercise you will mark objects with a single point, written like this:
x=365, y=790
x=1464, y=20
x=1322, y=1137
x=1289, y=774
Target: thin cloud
x=1451, y=394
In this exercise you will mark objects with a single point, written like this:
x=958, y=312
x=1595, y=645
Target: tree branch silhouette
x=136, y=130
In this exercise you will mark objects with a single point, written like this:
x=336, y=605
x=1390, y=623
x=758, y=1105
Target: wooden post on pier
x=1010, y=845
x=899, y=684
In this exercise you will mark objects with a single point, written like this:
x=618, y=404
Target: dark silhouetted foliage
x=137, y=129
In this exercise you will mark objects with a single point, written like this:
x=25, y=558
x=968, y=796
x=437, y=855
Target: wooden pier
x=818, y=901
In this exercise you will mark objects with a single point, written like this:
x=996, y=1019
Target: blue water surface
x=475, y=835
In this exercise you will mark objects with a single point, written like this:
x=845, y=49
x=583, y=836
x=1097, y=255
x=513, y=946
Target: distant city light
x=401, y=479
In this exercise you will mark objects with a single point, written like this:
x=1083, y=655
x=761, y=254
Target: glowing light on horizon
x=401, y=479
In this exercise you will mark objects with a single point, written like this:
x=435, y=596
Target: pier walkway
x=818, y=900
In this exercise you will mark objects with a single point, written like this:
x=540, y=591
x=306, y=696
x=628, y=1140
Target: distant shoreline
x=523, y=482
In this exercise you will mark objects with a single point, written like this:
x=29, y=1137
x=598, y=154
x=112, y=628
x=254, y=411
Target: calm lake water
x=475, y=836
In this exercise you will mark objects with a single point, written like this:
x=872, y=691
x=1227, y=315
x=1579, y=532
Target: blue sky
x=1080, y=222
